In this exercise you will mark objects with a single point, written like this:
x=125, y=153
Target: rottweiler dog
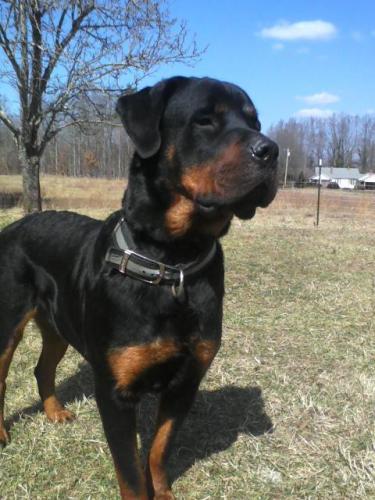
x=140, y=294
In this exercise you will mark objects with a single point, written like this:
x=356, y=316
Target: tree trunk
x=56, y=157
x=30, y=165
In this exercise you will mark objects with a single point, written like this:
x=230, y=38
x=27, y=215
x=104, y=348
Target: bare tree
x=290, y=137
x=55, y=52
x=366, y=143
x=341, y=141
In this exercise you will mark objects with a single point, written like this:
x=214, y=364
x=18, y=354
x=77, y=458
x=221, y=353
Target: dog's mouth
x=246, y=207
x=206, y=208
x=243, y=207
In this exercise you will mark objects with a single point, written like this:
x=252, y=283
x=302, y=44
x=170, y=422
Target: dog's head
x=211, y=157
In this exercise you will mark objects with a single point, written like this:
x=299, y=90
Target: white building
x=345, y=178
x=367, y=181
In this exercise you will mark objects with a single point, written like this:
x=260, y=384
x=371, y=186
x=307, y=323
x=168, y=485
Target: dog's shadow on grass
x=213, y=424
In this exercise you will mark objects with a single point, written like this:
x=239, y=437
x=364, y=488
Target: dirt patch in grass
x=288, y=407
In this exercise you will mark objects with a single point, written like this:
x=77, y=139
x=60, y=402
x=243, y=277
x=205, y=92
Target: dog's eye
x=204, y=121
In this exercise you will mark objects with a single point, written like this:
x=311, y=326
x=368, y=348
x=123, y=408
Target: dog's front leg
x=119, y=423
x=174, y=405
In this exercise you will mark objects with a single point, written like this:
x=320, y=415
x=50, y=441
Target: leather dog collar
x=127, y=261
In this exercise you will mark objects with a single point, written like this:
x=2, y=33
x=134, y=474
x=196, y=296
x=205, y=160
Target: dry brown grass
x=61, y=192
x=72, y=193
x=298, y=352
x=334, y=203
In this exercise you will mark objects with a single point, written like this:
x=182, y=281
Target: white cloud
x=302, y=30
x=320, y=98
x=314, y=112
x=278, y=46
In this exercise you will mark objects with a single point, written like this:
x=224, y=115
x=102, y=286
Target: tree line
x=341, y=140
x=95, y=147
x=102, y=148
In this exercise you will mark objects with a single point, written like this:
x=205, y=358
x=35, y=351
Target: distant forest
x=97, y=147
x=100, y=148
x=340, y=141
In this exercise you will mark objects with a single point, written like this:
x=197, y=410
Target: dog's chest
x=160, y=364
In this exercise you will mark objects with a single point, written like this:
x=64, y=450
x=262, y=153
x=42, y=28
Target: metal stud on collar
x=178, y=292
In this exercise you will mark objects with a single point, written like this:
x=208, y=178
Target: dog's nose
x=265, y=150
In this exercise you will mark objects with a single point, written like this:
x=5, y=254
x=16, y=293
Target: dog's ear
x=141, y=113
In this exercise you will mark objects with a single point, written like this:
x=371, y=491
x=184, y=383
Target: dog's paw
x=4, y=437
x=61, y=416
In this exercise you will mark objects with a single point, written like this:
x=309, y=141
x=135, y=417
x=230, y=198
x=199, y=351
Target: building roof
x=339, y=173
x=369, y=177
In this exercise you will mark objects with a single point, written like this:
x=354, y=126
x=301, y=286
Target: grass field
x=288, y=407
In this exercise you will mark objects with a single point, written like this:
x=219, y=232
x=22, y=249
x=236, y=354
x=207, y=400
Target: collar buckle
x=123, y=268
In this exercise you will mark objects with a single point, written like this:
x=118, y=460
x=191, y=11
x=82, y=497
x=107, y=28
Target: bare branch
x=50, y=134
x=6, y=46
x=24, y=42
x=35, y=16
x=76, y=23
x=10, y=124
x=59, y=27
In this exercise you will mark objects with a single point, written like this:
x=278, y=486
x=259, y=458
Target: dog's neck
x=145, y=203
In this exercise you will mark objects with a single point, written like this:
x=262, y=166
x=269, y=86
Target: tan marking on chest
x=128, y=363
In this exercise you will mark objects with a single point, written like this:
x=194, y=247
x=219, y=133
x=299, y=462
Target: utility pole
x=319, y=186
x=286, y=165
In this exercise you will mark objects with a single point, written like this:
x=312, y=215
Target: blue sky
x=294, y=57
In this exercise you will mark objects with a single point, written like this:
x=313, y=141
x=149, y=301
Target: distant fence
x=315, y=185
